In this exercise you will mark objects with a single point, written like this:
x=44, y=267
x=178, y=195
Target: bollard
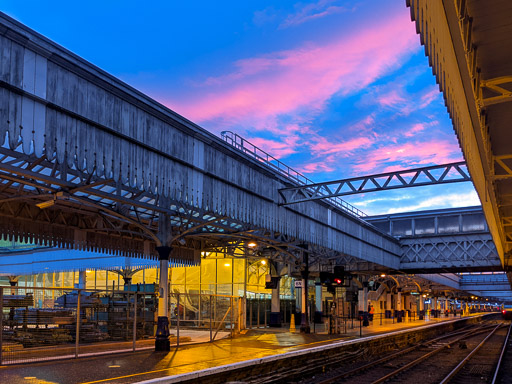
x=292, y=324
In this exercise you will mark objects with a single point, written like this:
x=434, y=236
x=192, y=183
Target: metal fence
x=44, y=323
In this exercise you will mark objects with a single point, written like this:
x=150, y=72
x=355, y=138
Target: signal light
x=337, y=280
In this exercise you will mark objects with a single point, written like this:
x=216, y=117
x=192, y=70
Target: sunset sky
x=334, y=89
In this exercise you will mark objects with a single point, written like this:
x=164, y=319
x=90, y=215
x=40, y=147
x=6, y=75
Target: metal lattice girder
x=437, y=174
x=457, y=252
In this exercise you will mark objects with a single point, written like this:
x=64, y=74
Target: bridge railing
x=271, y=162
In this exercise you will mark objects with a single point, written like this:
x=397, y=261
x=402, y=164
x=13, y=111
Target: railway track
x=503, y=369
x=466, y=356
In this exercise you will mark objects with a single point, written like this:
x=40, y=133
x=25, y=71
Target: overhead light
x=251, y=244
x=45, y=204
x=227, y=265
x=263, y=261
x=383, y=275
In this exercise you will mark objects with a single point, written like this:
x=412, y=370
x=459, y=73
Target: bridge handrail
x=270, y=161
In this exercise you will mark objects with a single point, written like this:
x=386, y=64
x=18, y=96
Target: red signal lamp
x=337, y=281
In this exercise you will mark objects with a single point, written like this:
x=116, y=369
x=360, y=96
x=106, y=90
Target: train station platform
x=195, y=356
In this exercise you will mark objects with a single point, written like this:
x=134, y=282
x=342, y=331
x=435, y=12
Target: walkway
x=145, y=365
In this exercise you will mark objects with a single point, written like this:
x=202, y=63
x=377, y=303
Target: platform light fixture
x=382, y=275
x=227, y=265
x=263, y=262
x=251, y=244
x=46, y=204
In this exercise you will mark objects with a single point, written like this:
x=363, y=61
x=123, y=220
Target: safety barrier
x=52, y=323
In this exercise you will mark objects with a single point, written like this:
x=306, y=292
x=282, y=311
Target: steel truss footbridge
x=89, y=163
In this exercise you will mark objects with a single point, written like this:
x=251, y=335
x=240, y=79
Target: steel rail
x=372, y=364
x=426, y=356
x=498, y=366
x=468, y=357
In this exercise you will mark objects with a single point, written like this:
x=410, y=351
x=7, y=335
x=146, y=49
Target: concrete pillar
x=162, y=342
x=275, y=307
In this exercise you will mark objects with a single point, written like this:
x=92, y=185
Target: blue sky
x=334, y=89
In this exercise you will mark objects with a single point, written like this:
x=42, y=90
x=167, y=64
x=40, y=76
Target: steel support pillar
x=82, y=280
x=304, y=325
x=318, y=302
x=162, y=342
x=399, y=306
x=388, y=305
x=363, y=304
x=275, y=308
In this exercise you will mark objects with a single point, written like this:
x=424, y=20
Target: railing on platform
x=270, y=161
x=211, y=313
x=53, y=323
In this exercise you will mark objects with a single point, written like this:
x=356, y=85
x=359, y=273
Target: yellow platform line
x=166, y=369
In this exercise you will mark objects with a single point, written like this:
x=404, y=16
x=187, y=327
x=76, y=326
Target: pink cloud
x=312, y=11
x=391, y=99
x=323, y=146
x=416, y=128
x=408, y=155
x=275, y=148
x=316, y=167
x=429, y=97
x=302, y=79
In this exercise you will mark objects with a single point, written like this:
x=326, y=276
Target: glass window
x=471, y=223
x=424, y=226
x=448, y=224
x=402, y=227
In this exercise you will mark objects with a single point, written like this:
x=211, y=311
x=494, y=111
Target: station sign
x=298, y=284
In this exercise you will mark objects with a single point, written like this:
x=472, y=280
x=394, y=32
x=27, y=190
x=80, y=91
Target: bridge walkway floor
x=145, y=365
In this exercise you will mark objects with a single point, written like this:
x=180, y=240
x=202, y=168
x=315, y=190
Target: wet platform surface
x=145, y=365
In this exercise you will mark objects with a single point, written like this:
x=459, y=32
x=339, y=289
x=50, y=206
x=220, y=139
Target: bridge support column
x=388, y=305
x=422, y=307
x=13, y=282
x=162, y=342
x=304, y=324
x=363, y=304
x=399, y=306
x=275, y=308
x=82, y=280
x=318, y=302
